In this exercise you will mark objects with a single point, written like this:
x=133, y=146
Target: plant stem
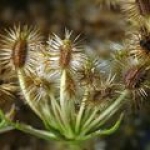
x=6, y=129
x=81, y=111
x=71, y=146
x=21, y=77
x=113, y=108
x=47, y=135
x=64, y=107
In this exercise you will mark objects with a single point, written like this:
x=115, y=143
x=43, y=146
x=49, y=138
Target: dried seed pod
x=134, y=77
x=139, y=43
x=65, y=54
x=39, y=85
x=102, y=95
x=19, y=53
x=18, y=48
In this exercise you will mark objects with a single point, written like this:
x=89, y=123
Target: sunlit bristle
x=133, y=71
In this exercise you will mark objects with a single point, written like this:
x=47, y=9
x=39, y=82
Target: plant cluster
x=73, y=92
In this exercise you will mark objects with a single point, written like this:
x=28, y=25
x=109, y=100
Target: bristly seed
x=134, y=77
x=19, y=53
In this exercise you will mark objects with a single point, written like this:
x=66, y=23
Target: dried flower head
x=89, y=72
x=59, y=87
x=132, y=71
x=105, y=92
x=65, y=54
x=39, y=84
x=19, y=47
x=139, y=43
x=136, y=79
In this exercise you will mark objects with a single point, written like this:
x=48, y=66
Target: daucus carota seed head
x=19, y=46
x=39, y=85
x=105, y=92
x=139, y=43
x=136, y=78
x=65, y=53
x=89, y=73
x=19, y=53
x=59, y=87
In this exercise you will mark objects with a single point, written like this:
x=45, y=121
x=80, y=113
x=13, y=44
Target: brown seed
x=19, y=53
x=65, y=54
x=144, y=7
x=134, y=77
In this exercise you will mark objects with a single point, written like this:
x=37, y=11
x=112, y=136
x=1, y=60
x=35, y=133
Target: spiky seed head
x=19, y=46
x=105, y=92
x=39, y=84
x=19, y=53
x=133, y=74
x=134, y=77
x=89, y=73
x=139, y=43
x=65, y=53
x=71, y=85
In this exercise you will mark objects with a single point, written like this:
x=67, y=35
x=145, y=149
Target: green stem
x=57, y=112
x=6, y=129
x=75, y=147
x=113, y=108
x=105, y=131
x=90, y=118
x=81, y=111
x=64, y=106
x=38, y=133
